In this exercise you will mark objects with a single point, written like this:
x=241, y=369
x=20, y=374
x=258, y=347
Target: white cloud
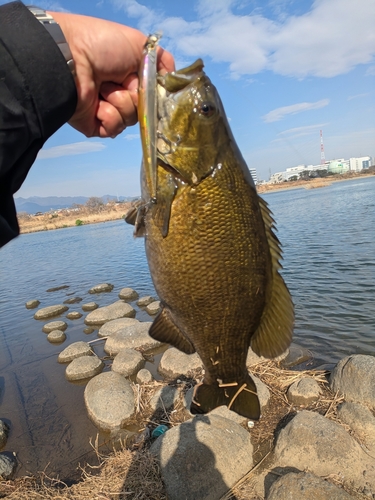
x=358, y=96
x=131, y=137
x=77, y=148
x=330, y=39
x=279, y=113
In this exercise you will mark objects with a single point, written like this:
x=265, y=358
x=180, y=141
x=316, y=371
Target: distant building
x=358, y=164
x=339, y=166
x=254, y=175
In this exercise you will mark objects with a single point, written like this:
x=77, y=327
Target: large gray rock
x=56, y=336
x=312, y=442
x=84, y=367
x=203, y=457
x=263, y=392
x=74, y=315
x=128, y=294
x=175, y=363
x=116, y=310
x=165, y=398
x=253, y=359
x=115, y=325
x=354, y=378
x=305, y=486
x=55, y=325
x=145, y=301
x=360, y=420
x=32, y=304
x=4, y=432
x=144, y=376
x=109, y=401
x=128, y=362
x=303, y=392
x=8, y=464
x=50, y=311
x=133, y=336
x=75, y=350
x=153, y=308
x=102, y=287
x=89, y=306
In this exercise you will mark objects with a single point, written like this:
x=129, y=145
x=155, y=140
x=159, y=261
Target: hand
x=107, y=57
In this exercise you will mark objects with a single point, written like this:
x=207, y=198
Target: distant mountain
x=36, y=204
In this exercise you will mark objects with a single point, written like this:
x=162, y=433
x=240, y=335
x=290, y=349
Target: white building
x=254, y=175
x=357, y=164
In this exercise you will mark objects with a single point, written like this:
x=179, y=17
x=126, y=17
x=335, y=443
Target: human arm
x=38, y=94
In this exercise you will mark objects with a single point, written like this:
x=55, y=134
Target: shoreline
x=69, y=217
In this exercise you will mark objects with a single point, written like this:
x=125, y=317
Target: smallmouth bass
x=211, y=248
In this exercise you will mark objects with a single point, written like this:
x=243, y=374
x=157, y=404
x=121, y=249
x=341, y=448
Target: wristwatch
x=56, y=33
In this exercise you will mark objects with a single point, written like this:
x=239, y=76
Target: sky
x=285, y=69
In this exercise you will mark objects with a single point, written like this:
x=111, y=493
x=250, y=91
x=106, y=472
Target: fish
x=211, y=246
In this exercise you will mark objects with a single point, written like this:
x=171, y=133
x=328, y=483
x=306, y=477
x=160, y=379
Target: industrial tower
x=322, y=155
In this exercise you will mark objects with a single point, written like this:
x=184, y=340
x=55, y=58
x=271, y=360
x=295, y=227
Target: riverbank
x=115, y=211
x=71, y=217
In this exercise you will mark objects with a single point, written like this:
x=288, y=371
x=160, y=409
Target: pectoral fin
x=165, y=195
x=275, y=330
x=135, y=216
x=164, y=329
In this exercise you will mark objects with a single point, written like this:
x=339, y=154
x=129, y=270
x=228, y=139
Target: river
x=328, y=239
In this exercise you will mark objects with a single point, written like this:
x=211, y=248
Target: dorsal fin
x=274, y=333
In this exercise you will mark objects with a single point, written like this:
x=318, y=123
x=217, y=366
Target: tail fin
x=239, y=397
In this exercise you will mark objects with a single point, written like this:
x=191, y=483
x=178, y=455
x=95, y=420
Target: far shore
x=116, y=211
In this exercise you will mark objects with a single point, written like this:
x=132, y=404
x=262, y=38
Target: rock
x=74, y=315
x=188, y=397
x=312, y=442
x=4, y=432
x=57, y=288
x=116, y=310
x=90, y=306
x=153, y=308
x=32, y=304
x=116, y=324
x=165, y=398
x=253, y=359
x=354, y=378
x=222, y=411
x=263, y=392
x=55, y=325
x=102, y=287
x=8, y=464
x=56, y=336
x=128, y=294
x=306, y=486
x=109, y=401
x=132, y=337
x=175, y=363
x=88, y=330
x=145, y=301
x=50, y=311
x=84, y=367
x=128, y=362
x=75, y=350
x=203, y=457
x=73, y=300
x=296, y=355
x=144, y=377
x=360, y=420
x=303, y=392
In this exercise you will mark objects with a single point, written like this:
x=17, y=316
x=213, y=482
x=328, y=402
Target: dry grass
x=132, y=473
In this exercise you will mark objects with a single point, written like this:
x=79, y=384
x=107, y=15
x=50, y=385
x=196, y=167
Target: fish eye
x=207, y=109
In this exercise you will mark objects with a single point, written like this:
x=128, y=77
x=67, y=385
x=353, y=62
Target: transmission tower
x=322, y=155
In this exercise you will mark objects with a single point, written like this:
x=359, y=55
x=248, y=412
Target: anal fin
x=165, y=330
x=239, y=397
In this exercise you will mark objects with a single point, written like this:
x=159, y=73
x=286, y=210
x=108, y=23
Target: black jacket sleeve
x=37, y=96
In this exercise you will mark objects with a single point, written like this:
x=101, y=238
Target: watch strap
x=56, y=33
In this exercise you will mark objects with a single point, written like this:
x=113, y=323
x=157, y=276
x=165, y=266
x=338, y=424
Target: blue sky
x=284, y=69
